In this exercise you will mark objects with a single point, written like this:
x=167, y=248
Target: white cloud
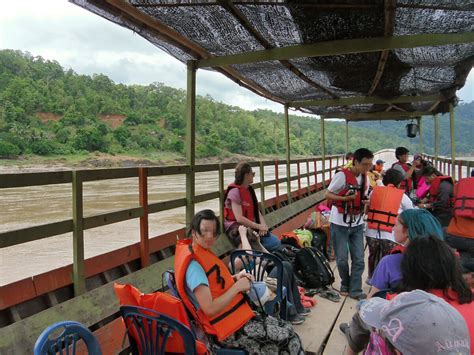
x=87, y=43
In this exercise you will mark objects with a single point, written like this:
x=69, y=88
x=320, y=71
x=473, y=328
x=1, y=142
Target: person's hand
x=351, y=197
x=243, y=284
x=262, y=229
x=244, y=273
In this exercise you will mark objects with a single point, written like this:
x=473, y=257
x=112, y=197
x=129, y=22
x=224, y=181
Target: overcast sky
x=78, y=39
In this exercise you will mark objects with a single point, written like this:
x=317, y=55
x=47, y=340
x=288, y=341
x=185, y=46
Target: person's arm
x=409, y=173
x=372, y=292
x=212, y=307
x=335, y=197
x=337, y=184
x=444, y=196
x=239, y=217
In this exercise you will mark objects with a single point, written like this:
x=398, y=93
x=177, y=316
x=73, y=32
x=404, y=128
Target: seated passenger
x=414, y=322
x=376, y=173
x=440, y=195
x=379, y=232
x=249, y=240
x=410, y=224
x=407, y=169
x=216, y=298
x=430, y=265
x=241, y=207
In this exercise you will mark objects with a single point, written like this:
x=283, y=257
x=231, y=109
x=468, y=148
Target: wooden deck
x=320, y=332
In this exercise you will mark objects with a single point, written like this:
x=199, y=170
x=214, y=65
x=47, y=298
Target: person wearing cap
x=415, y=322
x=407, y=169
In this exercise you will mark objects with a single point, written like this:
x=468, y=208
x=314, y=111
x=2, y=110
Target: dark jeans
x=465, y=247
x=270, y=242
x=349, y=240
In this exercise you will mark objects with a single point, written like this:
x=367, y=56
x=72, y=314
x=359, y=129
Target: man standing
x=402, y=165
x=348, y=189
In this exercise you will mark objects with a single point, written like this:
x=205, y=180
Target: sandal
x=330, y=295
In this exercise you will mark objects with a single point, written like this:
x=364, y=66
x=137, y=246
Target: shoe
x=344, y=291
x=305, y=312
x=344, y=327
x=297, y=320
x=360, y=296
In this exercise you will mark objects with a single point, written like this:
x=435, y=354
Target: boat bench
x=95, y=308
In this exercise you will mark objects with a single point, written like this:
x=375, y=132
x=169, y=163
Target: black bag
x=313, y=268
x=319, y=241
x=286, y=253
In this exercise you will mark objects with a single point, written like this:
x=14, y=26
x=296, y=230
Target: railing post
x=288, y=154
x=316, y=173
x=347, y=136
x=420, y=134
x=453, y=143
x=330, y=168
x=78, y=270
x=460, y=170
x=436, y=141
x=307, y=177
x=323, y=151
x=298, y=171
x=221, y=196
x=262, y=188
x=143, y=199
x=190, y=140
x=277, y=184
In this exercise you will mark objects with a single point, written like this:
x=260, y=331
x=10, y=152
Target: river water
x=36, y=205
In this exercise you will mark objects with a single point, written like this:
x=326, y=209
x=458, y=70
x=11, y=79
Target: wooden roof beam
x=390, y=115
x=241, y=18
x=338, y=47
x=174, y=37
x=389, y=12
x=366, y=100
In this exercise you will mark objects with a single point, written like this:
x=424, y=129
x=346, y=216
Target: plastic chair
x=153, y=330
x=66, y=341
x=257, y=263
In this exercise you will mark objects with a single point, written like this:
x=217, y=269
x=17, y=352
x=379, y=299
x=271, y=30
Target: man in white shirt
x=348, y=191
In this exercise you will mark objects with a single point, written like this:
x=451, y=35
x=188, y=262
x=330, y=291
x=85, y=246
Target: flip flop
x=330, y=295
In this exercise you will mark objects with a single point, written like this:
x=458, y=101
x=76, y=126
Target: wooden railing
x=78, y=223
x=461, y=168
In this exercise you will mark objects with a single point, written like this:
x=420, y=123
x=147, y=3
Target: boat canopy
x=357, y=60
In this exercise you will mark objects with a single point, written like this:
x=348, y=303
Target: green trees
x=46, y=110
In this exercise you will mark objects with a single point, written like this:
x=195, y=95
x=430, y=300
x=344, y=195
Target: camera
x=352, y=189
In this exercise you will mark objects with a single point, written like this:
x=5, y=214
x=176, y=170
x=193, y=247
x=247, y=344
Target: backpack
x=319, y=241
x=313, y=268
x=286, y=253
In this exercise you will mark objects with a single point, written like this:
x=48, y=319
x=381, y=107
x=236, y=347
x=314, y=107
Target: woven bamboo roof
x=369, y=59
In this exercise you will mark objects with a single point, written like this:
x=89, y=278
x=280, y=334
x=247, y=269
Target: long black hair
x=428, y=264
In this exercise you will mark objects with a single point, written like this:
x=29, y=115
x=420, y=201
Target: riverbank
x=104, y=160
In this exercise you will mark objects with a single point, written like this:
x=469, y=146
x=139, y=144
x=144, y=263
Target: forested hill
x=47, y=110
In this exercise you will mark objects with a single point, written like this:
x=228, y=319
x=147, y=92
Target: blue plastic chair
x=66, y=341
x=154, y=329
x=257, y=263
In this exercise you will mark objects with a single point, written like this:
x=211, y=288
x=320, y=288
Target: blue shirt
x=195, y=276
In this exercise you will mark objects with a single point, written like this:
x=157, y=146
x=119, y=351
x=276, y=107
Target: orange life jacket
x=434, y=187
x=383, y=209
x=238, y=311
x=355, y=206
x=160, y=302
x=249, y=203
x=462, y=223
x=406, y=184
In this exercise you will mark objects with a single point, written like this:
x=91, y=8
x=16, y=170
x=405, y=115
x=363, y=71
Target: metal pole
x=436, y=140
x=347, y=136
x=190, y=139
x=323, y=151
x=287, y=141
x=453, y=143
x=420, y=132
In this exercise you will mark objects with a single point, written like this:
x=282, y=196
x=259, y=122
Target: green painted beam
x=394, y=115
x=347, y=46
x=366, y=100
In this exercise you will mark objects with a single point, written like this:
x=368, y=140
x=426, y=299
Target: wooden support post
x=190, y=140
x=330, y=168
x=144, y=230
x=262, y=188
x=453, y=143
x=420, y=132
x=436, y=141
x=288, y=154
x=307, y=177
x=78, y=270
x=221, y=196
x=347, y=136
x=277, y=184
x=323, y=151
x=316, y=173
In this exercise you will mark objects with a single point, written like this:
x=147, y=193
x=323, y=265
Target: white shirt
x=406, y=204
x=338, y=183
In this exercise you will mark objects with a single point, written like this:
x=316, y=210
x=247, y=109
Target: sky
x=78, y=39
